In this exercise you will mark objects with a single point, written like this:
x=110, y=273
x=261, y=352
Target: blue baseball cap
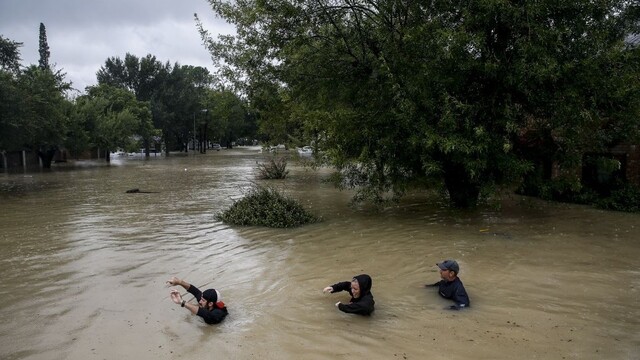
x=449, y=265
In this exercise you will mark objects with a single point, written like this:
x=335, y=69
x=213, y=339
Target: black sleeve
x=195, y=292
x=362, y=307
x=341, y=286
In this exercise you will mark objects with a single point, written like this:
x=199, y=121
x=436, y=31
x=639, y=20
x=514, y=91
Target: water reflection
x=84, y=266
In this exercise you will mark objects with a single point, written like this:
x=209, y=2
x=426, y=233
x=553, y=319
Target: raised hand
x=175, y=296
x=174, y=281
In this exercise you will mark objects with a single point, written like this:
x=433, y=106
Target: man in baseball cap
x=451, y=287
x=210, y=306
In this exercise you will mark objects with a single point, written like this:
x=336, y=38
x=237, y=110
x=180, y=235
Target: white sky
x=82, y=34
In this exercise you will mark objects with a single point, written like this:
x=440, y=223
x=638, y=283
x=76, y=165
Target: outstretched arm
x=341, y=286
x=177, y=298
x=174, y=281
x=434, y=284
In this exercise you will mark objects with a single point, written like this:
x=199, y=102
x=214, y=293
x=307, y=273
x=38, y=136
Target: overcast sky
x=82, y=34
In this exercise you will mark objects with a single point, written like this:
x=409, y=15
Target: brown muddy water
x=84, y=267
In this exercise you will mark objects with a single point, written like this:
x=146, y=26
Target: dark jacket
x=363, y=305
x=453, y=290
x=213, y=316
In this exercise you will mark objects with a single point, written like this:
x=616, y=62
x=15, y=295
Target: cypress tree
x=43, y=63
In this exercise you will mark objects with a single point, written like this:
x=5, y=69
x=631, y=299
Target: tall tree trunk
x=463, y=191
x=46, y=157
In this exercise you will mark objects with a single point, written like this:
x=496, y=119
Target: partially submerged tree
x=397, y=91
x=113, y=117
x=33, y=107
x=141, y=76
x=45, y=116
x=11, y=99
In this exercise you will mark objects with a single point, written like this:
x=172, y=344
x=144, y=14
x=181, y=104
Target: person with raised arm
x=359, y=288
x=210, y=306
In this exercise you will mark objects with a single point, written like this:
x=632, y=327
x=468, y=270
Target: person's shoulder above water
x=210, y=306
x=450, y=286
x=359, y=288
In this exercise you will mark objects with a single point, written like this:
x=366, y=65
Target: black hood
x=365, y=283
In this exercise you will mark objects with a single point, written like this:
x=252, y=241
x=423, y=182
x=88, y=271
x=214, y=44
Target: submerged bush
x=273, y=169
x=622, y=197
x=264, y=206
x=626, y=199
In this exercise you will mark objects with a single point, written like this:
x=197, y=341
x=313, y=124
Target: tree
x=138, y=75
x=11, y=100
x=11, y=113
x=178, y=103
x=45, y=112
x=9, y=55
x=43, y=49
x=113, y=117
x=401, y=91
x=229, y=116
x=33, y=107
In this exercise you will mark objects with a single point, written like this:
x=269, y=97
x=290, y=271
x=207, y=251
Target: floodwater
x=84, y=267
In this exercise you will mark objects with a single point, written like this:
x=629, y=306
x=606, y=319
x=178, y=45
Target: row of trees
x=33, y=108
x=472, y=94
x=137, y=102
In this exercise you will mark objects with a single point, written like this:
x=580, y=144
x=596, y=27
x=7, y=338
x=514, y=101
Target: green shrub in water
x=273, y=169
x=626, y=198
x=264, y=206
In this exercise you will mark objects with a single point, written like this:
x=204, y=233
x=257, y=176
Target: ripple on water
x=87, y=265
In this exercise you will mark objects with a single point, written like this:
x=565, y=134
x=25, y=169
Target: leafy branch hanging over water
x=264, y=206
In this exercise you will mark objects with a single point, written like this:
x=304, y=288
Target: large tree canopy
x=112, y=117
x=33, y=107
x=394, y=91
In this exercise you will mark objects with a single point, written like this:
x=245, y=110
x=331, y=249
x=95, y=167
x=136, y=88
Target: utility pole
x=194, y=133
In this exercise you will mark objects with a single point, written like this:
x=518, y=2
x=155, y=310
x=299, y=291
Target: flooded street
x=84, y=268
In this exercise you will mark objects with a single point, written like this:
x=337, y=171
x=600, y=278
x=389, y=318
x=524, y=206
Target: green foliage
x=45, y=113
x=34, y=112
x=264, y=206
x=275, y=168
x=229, y=117
x=627, y=198
x=451, y=91
x=181, y=99
x=138, y=75
x=112, y=117
x=9, y=55
x=11, y=113
x=565, y=189
x=43, y=49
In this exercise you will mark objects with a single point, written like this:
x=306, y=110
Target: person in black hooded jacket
x=210, y=306
x=359, y=288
